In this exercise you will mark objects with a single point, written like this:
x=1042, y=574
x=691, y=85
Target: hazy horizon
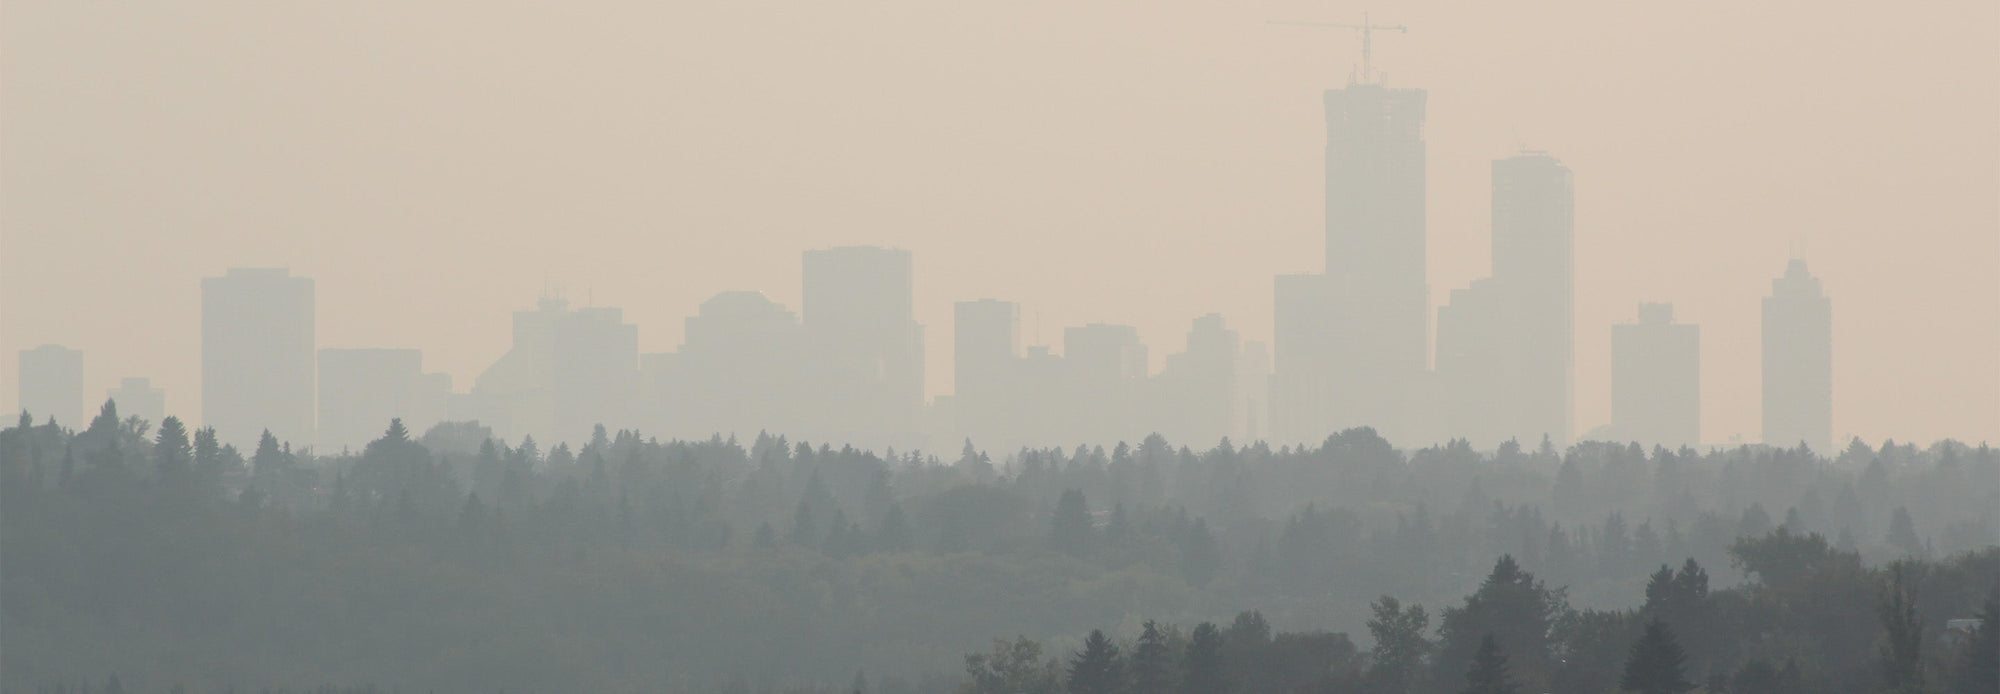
x=436, y=167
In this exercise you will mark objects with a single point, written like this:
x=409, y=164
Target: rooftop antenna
x=1367, y=39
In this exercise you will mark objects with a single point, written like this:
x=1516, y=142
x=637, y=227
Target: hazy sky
x=437, y=165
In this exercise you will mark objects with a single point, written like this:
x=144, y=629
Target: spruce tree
x=1203, y=670
x=1657, y=664
x=1153, y=661
x=1489, y=672
x=1902, y=633
x=173, y=456
x=1097, y=669
x=1070, y=532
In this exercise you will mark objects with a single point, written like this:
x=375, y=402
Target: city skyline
x=1667, y=252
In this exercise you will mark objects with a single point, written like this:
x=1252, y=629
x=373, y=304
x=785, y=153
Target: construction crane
x=1367, y=38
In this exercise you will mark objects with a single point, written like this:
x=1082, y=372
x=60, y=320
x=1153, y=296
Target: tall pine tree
x=1489, y=673
x=1098, y=668
x=1657, y=664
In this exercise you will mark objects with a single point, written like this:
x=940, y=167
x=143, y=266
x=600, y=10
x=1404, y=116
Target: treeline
x=1814, y=620
x=452, y=560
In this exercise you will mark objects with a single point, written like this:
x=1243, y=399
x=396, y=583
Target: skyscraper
x=51, y=385
x=1375, y=237
x=567, y=371
x=1656, y=379
x=1798, y=361
x=738, y=372
x=361, y=390
x=257, y=341
x=1506, y=345
x=138, y=397
x=986, y=349
x=1194, y=399
x=866, y=344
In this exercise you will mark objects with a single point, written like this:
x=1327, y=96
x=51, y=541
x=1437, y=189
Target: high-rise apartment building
x=1656, y=379
x=1798, y=361
x=257, y=342
x=738, y=372
x=51, y=385
x=986, y=351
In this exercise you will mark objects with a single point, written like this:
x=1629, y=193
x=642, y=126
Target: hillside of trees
x=447, y=560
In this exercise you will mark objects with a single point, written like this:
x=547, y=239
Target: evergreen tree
x=1097, y=669
x=1903, y=534
x=1489, y=673
x=1202, y=666
x=173, y=455
x=268, y=460
x=1400, y=646
x=1071, y=530
x=1657, y=664
x=1902, y=633
x=895, y=534
x=1153, y=661
x=1978, y=668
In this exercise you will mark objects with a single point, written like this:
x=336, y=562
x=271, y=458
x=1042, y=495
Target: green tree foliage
x=1401, y=650
x=1203, y=670
x=1657, y=664
x=1012, y=667
x=1098, y=668
x=1514, y=609
x=1489, y=672
x=173, y=455
x=1976, y=669
x=1071, y=532
x=1153, y=661
x=1902, y=654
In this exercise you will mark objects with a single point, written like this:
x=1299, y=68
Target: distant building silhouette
x=1798, y=361
x=1104, y=369
x=568, y=371
x=1194, y=399
x=51, y=385
x=361, y=390
x=1656, y=379
x=138, y=397
x=1370, y=316
x=738, y=372
x=1253, y=392
x=866, y=346
x=1305, y=338
x=1506, y=344
x=257, y=342
x=986, y=355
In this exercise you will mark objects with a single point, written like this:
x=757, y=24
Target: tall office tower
x=51, y=385
x=1194, y=399
x=1477, y=345
x=1798, y=361
x=1534, y=239
x=986, y=346
x=866, y=345
x=737, y=373
x=1104, y=375
x=568, y=371
x=1305, y=338
x=361, y=390
x=137, y=396
x=1505, y=345
x=1656, y=379
x=257, y=346
x=1375, y=254
x=1253, y=413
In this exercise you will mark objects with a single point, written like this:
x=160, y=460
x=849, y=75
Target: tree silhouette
x=1902, y=632
x=1153, y=661
x=1070, y=532
x=1203, y=670
x=1097, y=669
x=1489, y=673
x=173, y=455
x=1657, y=664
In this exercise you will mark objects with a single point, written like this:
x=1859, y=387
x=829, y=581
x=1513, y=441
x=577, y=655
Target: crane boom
x=1367, y=38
